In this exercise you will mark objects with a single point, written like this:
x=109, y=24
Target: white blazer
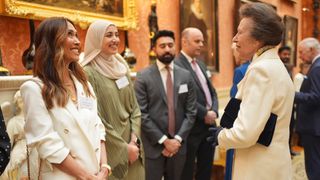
x=75, y=129
x=265, y=88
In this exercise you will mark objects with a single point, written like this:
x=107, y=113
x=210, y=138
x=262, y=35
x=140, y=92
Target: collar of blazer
x=156, y=79
x=187, y=66
x=155, y=73
x=270, y=53
x=70, y=106
x=315, y=60
x=74, y=109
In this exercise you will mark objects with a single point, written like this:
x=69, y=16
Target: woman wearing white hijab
x=117, y=105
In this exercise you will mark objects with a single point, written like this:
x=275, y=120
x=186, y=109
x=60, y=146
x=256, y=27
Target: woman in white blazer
x=266, y=88
x=61, y=108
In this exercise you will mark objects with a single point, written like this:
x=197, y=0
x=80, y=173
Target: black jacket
x=5, y=146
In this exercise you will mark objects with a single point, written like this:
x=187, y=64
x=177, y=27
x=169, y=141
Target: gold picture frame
x=35, y=9
x=207, y=22
x=290, y=37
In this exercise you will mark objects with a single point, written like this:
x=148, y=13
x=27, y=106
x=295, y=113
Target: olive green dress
x=120, y=113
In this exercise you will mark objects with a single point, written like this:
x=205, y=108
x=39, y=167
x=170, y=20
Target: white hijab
x=112, y=66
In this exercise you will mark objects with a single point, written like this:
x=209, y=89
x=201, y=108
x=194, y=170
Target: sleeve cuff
x=177, y=137
x=58, y=156
x=217, y=113
x=52, y=148
x=102, y=133
x=162, y=139
x=217, y=134
x=103, y=137
x=102, y=129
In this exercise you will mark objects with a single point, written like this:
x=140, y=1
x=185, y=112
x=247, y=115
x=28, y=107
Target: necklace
x=70, y=88
x=72, y=97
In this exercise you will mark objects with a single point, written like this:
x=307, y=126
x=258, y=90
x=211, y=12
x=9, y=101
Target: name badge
x=85, y=102
x=183, y=88
x=122, y=82
x=208, y=74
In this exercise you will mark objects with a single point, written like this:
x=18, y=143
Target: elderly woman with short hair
x=266, y=88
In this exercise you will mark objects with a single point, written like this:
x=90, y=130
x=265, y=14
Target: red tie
x=170, y=102
x=203, y=83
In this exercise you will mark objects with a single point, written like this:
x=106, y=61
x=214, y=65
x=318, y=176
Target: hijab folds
x=112, y=66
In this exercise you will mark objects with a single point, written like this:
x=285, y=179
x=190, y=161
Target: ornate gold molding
x=82, y=18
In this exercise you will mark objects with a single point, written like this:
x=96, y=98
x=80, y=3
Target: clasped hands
x=101, y=175
x=133, y=149
x=210, y=118
x=171, y=147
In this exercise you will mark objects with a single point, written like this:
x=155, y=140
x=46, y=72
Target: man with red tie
x=167, y=99
x=207, y=107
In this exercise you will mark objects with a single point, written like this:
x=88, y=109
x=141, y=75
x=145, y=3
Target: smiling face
x=110, y=41
x=246, y=45
x=71, y=45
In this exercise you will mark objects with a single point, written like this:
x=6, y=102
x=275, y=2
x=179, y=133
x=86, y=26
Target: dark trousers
x=201, y=151
x=169, y=168
x=311, y=145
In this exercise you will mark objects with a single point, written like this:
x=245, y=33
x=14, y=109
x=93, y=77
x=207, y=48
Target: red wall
x=14, y=40
x=14, y=34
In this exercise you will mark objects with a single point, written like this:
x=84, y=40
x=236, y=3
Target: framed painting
x=122, y=12
x=202, y=14
x=290, y=36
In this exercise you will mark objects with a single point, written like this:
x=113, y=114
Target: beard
x=166, y=58
x=285, y=60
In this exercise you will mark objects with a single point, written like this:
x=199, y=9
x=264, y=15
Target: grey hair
x=311, y=42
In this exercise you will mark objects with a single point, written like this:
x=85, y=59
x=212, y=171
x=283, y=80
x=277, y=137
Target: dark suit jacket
x=200, y=127
x=5, y=147
x=308, y=102
x=152, y=99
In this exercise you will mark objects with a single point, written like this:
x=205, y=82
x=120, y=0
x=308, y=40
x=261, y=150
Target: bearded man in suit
x=167, y=99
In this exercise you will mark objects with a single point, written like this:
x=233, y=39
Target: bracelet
x=108, y=167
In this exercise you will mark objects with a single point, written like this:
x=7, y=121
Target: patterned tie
x=171, y=116
x=203, y=82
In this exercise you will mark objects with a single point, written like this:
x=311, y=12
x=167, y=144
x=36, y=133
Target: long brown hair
x=49, y=62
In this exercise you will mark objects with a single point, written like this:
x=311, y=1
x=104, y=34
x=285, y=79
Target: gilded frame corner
x=28, y=10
